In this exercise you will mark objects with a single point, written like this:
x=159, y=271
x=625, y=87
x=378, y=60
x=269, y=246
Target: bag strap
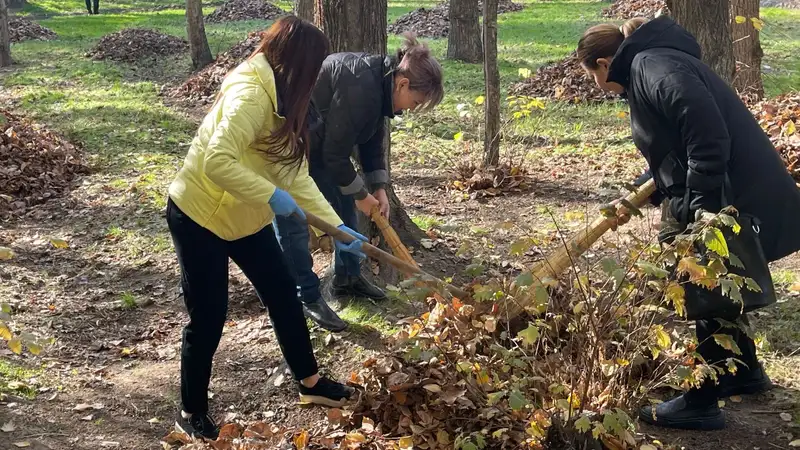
x=726, y=187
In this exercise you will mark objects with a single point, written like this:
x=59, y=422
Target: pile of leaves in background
x=435, y=22
x=22, y=29
x=627, y=9
x=235, y=10
x=35, y=165
x=134, y=44
x=780, y=119
x=202, y=87
x=562, y=80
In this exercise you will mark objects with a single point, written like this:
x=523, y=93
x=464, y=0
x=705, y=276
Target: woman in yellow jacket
x=246, y=165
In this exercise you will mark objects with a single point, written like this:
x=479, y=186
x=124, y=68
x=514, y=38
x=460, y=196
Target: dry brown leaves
x=435, y=22
x=627, y=9
x=22, y=29
x=35, y=165
x=490, y=181
x=202, y=87
x=780, y=119
x=133, y=44
x=563, y=80
x=234, y=10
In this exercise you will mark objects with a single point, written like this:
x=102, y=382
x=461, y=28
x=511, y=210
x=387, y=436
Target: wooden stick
x=563, y=257
x=391, y=237
x=380, y=255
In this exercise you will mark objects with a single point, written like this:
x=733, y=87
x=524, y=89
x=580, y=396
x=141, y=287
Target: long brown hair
x=424, y=73
x=295, y=49
x=603, y=41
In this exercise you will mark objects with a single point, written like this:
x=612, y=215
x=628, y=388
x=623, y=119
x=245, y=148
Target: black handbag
x=702, y=303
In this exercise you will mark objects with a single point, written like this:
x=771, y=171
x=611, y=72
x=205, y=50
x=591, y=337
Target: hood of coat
x=662, y=32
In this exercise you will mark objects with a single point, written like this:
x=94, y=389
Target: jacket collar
x=390, y=67
x=266, y=77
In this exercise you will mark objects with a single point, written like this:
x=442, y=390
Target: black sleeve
x=373, y=158
x=686, y=101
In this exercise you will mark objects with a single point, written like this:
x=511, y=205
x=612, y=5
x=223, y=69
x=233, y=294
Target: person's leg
x=261, y=259
x=292, y=235
x=97, y=6
x=749, y=379
x=89, y=6
x=203, y=260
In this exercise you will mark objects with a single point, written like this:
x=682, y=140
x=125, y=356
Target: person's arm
x=243, y=117
x=686, y=101
x=373, y=159
x=341, y=131
x=305, y=191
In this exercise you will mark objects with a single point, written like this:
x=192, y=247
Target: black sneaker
x=326, y=392
x=745, y=382
x=682, y=414
x=356, y=287
x=198, y=426
x=323, y=315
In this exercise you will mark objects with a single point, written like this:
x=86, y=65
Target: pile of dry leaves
x=134, y=44
x=493, y=181
x=202, y=87
x=235, y=10
x=435, y=22
x=780, y=119
x=22, y=29
x=626, y=9
x=35, y=165
x=562, y=80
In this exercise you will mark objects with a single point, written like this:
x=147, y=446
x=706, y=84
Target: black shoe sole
x=706, y=423
x=752, y=388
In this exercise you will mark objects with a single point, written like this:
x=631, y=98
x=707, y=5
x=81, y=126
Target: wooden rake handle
x=380, y=255
x=391, y=237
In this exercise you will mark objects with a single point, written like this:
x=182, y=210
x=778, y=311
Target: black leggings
x=203, y=258
x=96, y=6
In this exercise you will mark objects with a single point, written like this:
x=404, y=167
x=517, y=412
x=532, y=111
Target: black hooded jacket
x=353, y=96
x=696, y=134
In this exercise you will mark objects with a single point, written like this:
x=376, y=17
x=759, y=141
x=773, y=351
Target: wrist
x=361, y=194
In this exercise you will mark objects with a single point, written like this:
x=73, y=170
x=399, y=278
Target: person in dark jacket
x=354, y=95
x=696, y=136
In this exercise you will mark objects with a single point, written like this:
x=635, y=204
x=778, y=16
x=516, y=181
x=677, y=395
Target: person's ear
x=401, y=82
x=603, y=62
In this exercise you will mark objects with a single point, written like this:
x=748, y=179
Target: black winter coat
x=696, y=134
x=353, y=95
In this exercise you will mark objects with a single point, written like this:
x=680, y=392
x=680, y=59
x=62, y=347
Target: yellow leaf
x=676, y=294
x=22, y=444
x=5, y=333
x=34, y=348
x=458, y=136
x=6, y=253
x=622, y=114
x=15, y=345
x=741, y=19
x=368, y=425
x=758, y=24
x=59, y=243
x=662, y=338
x=790, y=128
x=480, y=100
x=301, y=440
x=524, y=72
x=354, y=437
x=795, y=443
x=406, y=443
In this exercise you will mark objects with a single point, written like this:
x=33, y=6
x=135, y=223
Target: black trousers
x=713, y=353
x=96, y=6
x=203, y=259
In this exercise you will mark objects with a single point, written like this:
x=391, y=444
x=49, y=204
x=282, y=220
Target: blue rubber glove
x=353, y=247
x=283, y=204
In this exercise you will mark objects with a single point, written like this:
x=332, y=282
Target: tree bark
x=464, y=37
x=5, y=37
x=304, y=9
x=16, y=4
x=709, y=21
x=491, y=138
x=747, y=50
x=195, y=28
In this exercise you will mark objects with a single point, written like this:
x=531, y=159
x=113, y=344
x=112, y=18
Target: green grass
x=426, y=222
x=364, y=317
x=128, y=300
x=14, y=378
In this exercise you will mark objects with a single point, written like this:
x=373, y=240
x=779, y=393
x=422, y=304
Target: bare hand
x=623, y=215
x=366, y=204
x=383, y=200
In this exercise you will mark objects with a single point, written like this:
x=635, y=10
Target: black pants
x=96, y=6
x=713, y=353
x=203, y=258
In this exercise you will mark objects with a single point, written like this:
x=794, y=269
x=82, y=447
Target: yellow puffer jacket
x=226, y=182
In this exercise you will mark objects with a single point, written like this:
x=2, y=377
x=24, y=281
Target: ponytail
x=603, y=41
x=424, y=73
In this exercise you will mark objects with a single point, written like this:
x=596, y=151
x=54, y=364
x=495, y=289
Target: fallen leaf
x=329, y=339
x=795, y=443
x=176, y=438
x=22, y=444
x=435, y=388
x=335, y=416
x=6, y=253
x=154, y=420
x=15, y=345
x=8, y=427
x=736, y=399
x=647, y=447
x=87, y=418
x=406, y=443
x=301, y=440
x=368, y=425
x=59, y=243
x=427, y=243
x=230, y=431
x=786, y=417
x=85, y=407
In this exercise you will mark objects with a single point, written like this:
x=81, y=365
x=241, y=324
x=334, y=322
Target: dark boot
x=323, y=315
x=745, y=382
x=346, y=286
x=685, y=413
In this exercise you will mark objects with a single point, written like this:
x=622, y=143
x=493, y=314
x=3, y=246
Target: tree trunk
x=464, y=37
x=16, y=4
x=195, y=28
x=5, y=37
x=304, y=9
x=491, y=138
x=709, y=21
x=747, y=48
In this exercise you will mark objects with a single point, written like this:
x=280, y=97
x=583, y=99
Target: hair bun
x=412, y=47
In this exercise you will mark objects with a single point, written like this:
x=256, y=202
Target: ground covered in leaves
x=627, y=9
x=23, y=29
x=435, y=22
x=233, y=10
x=561, y=80
x=134, y=44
